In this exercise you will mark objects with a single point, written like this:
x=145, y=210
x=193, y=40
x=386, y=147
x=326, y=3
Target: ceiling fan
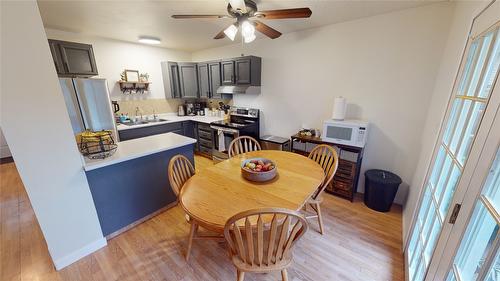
x=247, y=17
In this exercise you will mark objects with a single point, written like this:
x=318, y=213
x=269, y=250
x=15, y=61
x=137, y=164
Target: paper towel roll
x=339, y=108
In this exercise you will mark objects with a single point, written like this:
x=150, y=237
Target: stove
x=242, y=122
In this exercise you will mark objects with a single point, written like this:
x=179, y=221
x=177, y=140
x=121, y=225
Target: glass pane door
x=479, y=247
x=471, y=96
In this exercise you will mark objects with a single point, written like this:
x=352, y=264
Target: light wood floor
x=359, y=244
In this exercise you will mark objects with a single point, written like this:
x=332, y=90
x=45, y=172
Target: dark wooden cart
x=346, y=178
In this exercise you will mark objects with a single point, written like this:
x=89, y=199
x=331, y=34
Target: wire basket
x=97, y=145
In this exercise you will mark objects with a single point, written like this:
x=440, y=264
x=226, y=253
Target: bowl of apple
x=258, y=169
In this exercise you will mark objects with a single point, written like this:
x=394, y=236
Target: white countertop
x=172, y=118
x=136, y=148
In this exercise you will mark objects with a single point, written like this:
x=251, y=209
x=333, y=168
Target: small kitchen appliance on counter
x=181, y=111
x=242, y=122
x=190, y=109
x=346, y=132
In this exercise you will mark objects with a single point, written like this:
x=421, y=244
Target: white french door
x=477, y=255
x=470, y=115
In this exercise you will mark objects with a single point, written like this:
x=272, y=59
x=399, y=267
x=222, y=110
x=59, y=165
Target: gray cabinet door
x=215, y=79
x=188, y=80
x=73, y=59
x=78, y=58
x=243, y=71
x=227, y=72
x=173, y=73
x=203, y=80
x=56, y=56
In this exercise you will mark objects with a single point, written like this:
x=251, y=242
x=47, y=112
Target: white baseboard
x=78, y=254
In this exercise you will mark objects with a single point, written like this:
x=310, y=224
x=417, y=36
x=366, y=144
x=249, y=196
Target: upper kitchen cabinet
x=188, y=77
x=227, y=72
x=73, y=59
x=241, y=71
x=171, y=81
x=215, y=79
x=209, y=79
x=203, y=80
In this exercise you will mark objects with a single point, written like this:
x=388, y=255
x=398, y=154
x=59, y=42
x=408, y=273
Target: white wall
x=113, y=56
x=35, y=122
x=464, y=12
x=384, y=65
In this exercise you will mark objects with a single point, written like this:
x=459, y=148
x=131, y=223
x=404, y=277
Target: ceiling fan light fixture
x=247, y=29
x=249, y=38
x=149, y=40
x=231, y=32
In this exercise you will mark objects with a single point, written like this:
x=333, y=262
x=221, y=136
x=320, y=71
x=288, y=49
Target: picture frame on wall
x=131, y=75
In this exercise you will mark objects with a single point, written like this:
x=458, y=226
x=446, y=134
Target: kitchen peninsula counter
x=132, y=185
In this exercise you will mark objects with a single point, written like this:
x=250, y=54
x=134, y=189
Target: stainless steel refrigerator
x=89, y=105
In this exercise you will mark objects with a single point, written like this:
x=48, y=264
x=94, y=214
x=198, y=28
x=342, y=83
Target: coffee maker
x=190, y=111
x=199, y=108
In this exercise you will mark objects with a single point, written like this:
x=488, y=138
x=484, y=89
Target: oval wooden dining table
x=213, y=195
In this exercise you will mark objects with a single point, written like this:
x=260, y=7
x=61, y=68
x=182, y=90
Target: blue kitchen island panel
x=128, y=191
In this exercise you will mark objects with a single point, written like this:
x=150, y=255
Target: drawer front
x=205, y=135
x=205, y=150
x=346, y=170
x=204, y=127
x=344, y=193
x=341, y=185
x=298, y=145
x=205, y=143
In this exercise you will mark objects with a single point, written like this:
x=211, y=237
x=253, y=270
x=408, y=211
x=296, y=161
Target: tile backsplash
x=159, y=105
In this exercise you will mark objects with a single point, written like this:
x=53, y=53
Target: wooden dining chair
x=243, y=144
x=326, y=156
x=258, y=246
x=180, y=170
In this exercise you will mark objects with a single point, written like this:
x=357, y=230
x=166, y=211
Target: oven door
x=222, y=138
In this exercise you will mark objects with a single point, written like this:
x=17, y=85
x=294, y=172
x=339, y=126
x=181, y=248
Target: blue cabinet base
x=126, y=192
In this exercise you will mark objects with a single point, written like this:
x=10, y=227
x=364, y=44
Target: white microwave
x=348, y=132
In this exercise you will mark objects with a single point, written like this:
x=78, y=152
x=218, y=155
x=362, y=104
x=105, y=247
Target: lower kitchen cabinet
x=188, y=129
x=135, y=133
x=205, y=139
x=196, y=130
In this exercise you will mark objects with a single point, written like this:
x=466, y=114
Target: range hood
x=239, y=89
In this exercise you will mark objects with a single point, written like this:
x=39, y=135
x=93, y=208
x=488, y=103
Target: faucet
x=137, y=112
x=154, y=114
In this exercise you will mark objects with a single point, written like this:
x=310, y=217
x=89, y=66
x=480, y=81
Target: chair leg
x=320, y=218
x=241, y=275
x=192, y=233
x=284, y=274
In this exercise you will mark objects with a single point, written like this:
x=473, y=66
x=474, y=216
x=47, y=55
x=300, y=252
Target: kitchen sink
x=144, y=122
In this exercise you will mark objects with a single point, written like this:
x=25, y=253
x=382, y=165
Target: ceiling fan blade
x=199, y=16
x=267, y=30
x=284, y=14
x=238, y=5
x=220, y=35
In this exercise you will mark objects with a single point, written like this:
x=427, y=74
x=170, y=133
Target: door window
x=469, y=102
x=480, y=242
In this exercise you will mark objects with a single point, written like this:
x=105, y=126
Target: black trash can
x=380, y=189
